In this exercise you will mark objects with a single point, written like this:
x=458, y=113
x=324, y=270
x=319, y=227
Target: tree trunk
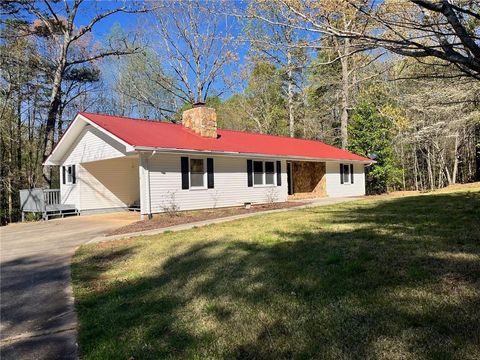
x=449, y=177
x=477, y=153
x=60, y=122
x=430, y=172
x=403, y=162
x=9, y=173
x=9, y=197
x=345, y=97
x=19, y=132
x=291, y=118
x=53, y=106
x=455, y=160
x=31, y=175
x=415, y=166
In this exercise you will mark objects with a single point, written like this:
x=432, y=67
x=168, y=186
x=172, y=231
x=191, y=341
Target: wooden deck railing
x=51, y=196
x=45, y=201
x=36, y=200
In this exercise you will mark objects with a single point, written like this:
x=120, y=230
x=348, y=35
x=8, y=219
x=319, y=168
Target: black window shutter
x=341, y=173
x=250, y=172
x=210, y=181
x=63, y=175
x=279, y=173
x=184, y=166
x=351, y=173
x=74, y=178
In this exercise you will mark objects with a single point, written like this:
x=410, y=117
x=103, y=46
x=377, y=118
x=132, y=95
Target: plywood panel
x=309, y=179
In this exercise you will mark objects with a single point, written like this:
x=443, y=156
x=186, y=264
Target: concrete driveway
x=38, y=320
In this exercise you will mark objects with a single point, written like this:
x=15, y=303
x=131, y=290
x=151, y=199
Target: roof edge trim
x=80, y=117
x=244, y=154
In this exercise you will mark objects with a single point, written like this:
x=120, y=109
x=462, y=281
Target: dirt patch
x=185, y=217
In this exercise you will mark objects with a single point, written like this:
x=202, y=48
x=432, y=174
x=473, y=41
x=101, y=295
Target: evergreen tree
x=371, y=134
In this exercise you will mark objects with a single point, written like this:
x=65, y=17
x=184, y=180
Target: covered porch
x=306, y=180
x=86, y=188
x=106, y=185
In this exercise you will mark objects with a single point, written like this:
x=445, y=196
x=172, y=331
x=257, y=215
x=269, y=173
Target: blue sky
x=131, y=22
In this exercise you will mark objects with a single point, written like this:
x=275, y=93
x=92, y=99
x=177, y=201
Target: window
x=346, y=173
x=68, y=173
x=257, y=173
x=197, y=173
x=269, y=173
x=261, y=172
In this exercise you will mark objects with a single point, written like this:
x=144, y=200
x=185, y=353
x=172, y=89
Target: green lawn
x=384, y=278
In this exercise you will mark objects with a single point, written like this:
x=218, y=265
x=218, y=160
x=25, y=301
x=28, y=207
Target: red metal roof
x=154, y=134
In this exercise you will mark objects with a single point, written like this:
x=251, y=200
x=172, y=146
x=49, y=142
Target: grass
x=390, y=279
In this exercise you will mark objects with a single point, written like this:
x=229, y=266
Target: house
x=110, y=163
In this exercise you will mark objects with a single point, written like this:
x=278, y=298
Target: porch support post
x=144, y=173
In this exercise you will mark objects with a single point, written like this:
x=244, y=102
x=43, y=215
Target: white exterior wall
x=336, y=189
x=93, y=145
x=144, y=179
x=105, y=177
x=107, y=184
x=230, y=180
x=69, y=193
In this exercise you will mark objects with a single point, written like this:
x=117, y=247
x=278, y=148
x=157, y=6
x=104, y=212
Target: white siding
x=105, y=178
x=93, y=145
x=103, y=184
x=115, y=182
x=334, y=186
x=69, y=193
x=144, y=180
x=109, y=184
x=230, y=185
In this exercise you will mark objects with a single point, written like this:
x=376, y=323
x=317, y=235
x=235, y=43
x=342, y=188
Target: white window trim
x=264, y=174
x=192, y=187
x=67, y=181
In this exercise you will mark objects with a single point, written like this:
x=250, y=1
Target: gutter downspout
x=145, y=193
x=149, y=188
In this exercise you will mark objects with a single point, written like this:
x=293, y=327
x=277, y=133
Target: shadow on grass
x=393, y=279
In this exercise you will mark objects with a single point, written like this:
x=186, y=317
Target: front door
x=289, y=178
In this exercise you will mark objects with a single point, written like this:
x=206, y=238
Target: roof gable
x=93, y=145
x=73, y=136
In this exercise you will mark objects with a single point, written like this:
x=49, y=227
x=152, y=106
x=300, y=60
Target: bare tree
x=56, y=20
x=443, y=29
x=195, y=45
x=351, y=53
x=436, y=128
x=282, y=45
x=447, y=30
x=141, y=86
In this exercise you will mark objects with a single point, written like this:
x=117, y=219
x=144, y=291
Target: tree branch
x=102, y=55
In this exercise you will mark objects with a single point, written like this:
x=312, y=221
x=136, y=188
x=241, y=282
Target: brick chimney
x=201, y=119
